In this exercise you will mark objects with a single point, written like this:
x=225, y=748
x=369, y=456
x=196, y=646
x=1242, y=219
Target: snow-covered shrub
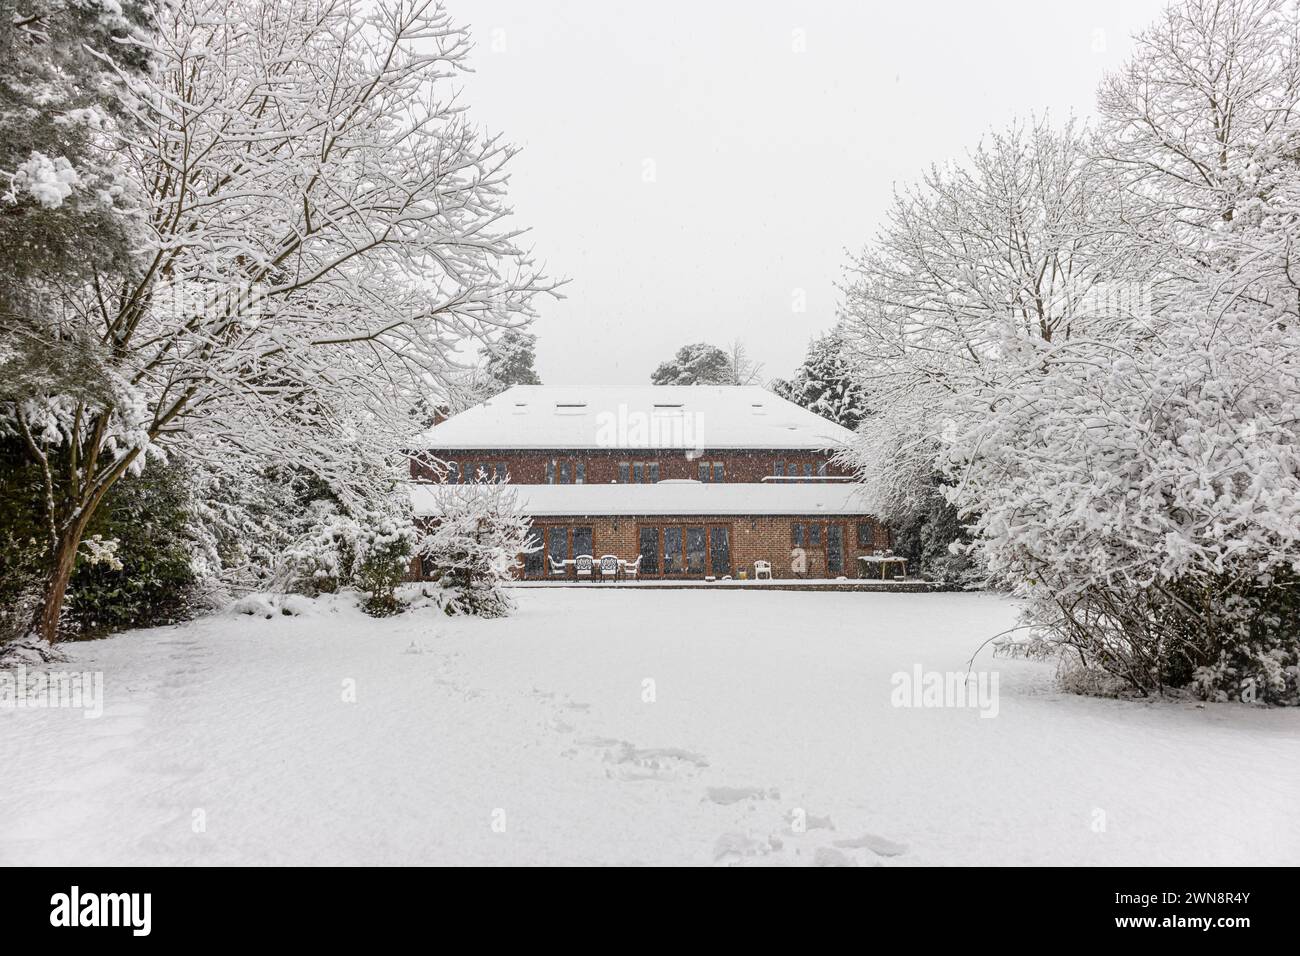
x=370, y=552
x=473, y=547
x=1145, y=501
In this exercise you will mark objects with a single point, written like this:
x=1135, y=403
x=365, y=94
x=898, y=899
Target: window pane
x=581, y=541
x=638, y=473
x=580, y=476
x=717, y=471
x=654, y=472
x=649, y=550
x=815, y=535
x=835, y=548
x=672, y=550
x=622, y=472
x=550, y=472
x=704, y=471
x=534, y=563
x=796, y=534
x=696, y=549
x=557, y=543
x=719, y=551
x=566, y=475
x=807, y=470
x=864, y=534
x=501, y=471
x=821, y=469
x=780, y=468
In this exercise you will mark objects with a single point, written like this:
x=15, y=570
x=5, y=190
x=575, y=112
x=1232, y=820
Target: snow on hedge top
x=650, y=416
x=665, y=498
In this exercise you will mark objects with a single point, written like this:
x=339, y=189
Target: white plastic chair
x=608, y=567
x=762, y=568
x=582, y=565
x=558, y=568
x=632, y=568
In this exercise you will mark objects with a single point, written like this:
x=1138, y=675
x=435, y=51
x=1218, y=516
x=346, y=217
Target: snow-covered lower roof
x=670, y=498
x=651, y=416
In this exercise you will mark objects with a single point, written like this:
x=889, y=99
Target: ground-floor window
x=559, y=543
x=816, y=539
x=690, y=550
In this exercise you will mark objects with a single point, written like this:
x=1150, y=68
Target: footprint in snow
x=726, y=796
x=646, y=763
x=876, y=844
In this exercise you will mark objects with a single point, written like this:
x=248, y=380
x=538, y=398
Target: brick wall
x=602, y=466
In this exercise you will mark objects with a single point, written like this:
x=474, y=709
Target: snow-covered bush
x=371, y=553
x=1145, y=501
x=475, y=544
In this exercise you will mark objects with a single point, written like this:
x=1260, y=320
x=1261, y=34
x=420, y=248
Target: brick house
x=698, y=481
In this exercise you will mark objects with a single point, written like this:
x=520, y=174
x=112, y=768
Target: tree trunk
x=65, y=559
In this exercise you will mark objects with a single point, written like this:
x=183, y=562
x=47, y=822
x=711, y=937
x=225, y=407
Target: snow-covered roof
x=650, y=416
x=671, y=498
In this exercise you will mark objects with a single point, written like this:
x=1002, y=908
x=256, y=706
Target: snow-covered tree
x=324, y=226
x=510, y=359
x=825, y=383
x=474, y=546
x=697, y=364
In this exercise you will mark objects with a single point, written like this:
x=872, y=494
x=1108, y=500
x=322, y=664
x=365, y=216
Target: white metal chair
x=762, y=568
x=582, y=565
x=558, y=568
x=632, y=568
x=608, y=567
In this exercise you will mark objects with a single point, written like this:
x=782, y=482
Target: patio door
x=688, y=550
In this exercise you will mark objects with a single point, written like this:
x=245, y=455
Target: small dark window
x=550, y=472
x=638, y=473
x=796, y=535
x=814, y=536
x=718, y=471
x=623, y=472
x=566, y=473
x=581, y=541
x=649, y=550
x=501, y=471
x=779, y=469
x=821, y=469
x=704, y=471
x=580, y=473
x=865, y=537
x=835, y=549
x=807, y=470
x=654, y=472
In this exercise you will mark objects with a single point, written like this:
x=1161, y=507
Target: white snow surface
x=647, y=416
x=767, y=709
x=670, y=498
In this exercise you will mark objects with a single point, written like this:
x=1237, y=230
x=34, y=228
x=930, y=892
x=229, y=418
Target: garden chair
x=762, y=569
x=608, y=567
x=631, y=568
x=582, y=565
x=558, y=568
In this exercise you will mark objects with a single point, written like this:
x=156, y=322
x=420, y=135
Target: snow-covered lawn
x=537, y=739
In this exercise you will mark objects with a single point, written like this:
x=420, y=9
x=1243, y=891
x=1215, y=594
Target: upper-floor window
x=467, y=472
x=567, y=471
x=638, y=472
x=712, y=471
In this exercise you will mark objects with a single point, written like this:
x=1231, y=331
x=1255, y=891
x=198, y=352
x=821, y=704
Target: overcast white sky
x=693, y=168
